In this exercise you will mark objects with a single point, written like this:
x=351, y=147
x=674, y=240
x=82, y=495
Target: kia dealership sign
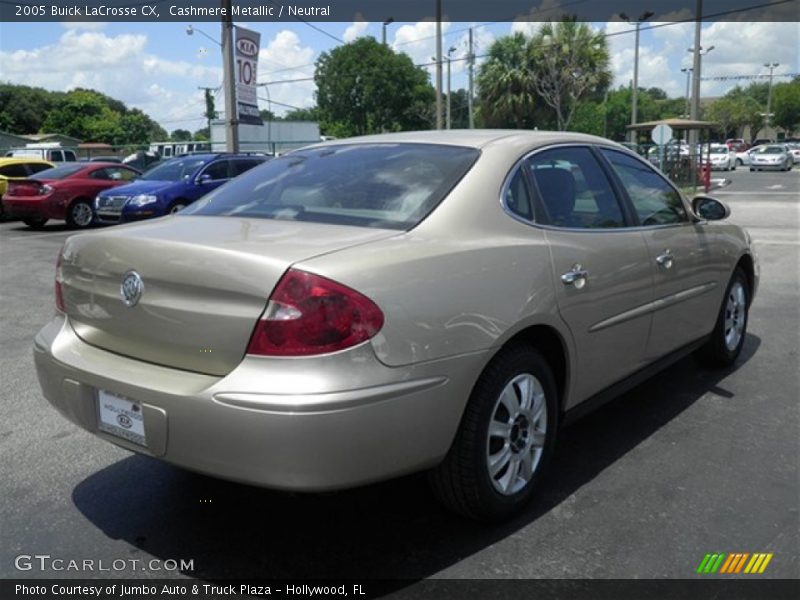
x=247, y=43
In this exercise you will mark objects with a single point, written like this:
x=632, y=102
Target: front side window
x=573, y=189
x=216, y=171
x=655, y=201
x=387, y=185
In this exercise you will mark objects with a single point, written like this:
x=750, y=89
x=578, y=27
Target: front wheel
x=177, y=207
x=80, y=214
x=505, y=439
x=727, y=339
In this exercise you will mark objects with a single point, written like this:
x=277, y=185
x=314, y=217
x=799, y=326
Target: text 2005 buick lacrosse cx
x=370, y=307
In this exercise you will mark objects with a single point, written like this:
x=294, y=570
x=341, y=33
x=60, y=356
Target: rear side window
x=57, y=156
x=573, y=189
x=517, y=198
x=386, y=185
x=655, y=201
x=13, y=171
x=240, y=165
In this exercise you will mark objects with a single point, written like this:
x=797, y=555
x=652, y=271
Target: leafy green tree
x=366, y=87
x=24, y=108
x=267, y=115
x=570, y=61
x=302, y=114
x=786, y=105
x=180, y=135
x=202, y=135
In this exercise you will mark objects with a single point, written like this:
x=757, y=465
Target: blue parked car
x=170, y=186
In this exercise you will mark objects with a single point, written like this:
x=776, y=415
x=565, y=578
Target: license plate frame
x=121, y=417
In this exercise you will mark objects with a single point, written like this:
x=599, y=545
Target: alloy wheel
x=517, y=434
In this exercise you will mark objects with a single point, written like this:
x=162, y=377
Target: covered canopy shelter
x=678, y=171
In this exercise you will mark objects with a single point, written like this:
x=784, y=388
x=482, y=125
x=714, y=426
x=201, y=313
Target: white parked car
x=722, y=157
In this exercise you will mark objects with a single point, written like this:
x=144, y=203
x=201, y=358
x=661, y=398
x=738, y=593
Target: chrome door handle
x=576, y=276
x=665, y=260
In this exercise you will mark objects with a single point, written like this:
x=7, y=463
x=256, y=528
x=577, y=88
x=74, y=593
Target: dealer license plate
x=120, y=417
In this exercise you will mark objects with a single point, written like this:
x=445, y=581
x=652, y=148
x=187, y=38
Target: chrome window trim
x=532, y=223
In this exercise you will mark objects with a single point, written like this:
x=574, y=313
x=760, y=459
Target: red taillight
x=26, y=188
x=308, y=314
x=59, y=282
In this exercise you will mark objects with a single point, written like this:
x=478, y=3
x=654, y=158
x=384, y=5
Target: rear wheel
x=36, y=223
x=505, y=439
x=80, y=214
x=727, y=339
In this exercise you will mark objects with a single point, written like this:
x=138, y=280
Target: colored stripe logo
x=734, y=563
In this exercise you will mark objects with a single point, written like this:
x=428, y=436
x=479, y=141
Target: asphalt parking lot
x=688, y=463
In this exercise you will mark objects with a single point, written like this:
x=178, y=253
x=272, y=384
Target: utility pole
x=635, y=98
x=229, y=79
x=438, y=64
x=771, y=67
x=688, y=71
x=471, y=62
x=694, y=109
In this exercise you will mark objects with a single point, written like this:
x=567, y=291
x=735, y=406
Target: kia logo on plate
x=247, y=47
x=131, y=289
x=124, y=421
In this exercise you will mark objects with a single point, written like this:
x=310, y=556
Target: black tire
x=716, y=352
x=462, y=482
x=80, y=214
x=36, y=223
x=752, y=169
x=177, y=206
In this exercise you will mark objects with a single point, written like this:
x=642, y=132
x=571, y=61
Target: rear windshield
x=391, y=186
x=59, y=172
x=769, y=150
x=176, y=169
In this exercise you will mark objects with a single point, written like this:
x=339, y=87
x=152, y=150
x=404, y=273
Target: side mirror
x=203, y=179
x=710, y=209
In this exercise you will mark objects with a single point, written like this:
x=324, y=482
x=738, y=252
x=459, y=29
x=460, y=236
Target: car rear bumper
x=33, y=208
x=294, y=424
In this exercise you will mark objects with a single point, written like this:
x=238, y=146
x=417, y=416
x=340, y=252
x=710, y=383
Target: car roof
x=15, y=160
x=472, y=138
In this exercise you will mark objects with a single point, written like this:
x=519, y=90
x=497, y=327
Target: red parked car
x=65, y=192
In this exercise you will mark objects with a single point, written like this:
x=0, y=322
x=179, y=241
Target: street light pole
x=438, y=64
x=231, y=121
x=635, y=99
x=688, y=71
x=449, y=103
x=471, y=59
x=771, y=67
x=386, y=23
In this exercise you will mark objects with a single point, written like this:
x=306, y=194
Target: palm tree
x=507, y=96
x=570, y=61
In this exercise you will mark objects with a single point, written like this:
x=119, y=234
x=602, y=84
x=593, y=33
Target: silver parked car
x=771, y=156
x=369, y=307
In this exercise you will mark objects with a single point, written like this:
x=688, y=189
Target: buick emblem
x=131, y=289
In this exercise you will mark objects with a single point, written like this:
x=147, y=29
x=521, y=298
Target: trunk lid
x=206, y=281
